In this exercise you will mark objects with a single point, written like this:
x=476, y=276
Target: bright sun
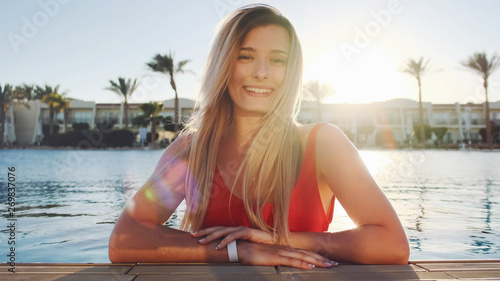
x=373, y=76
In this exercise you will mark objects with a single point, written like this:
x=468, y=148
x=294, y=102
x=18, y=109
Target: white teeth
x=258, y=90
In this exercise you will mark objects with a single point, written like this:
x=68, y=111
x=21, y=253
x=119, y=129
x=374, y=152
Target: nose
x=260, y=70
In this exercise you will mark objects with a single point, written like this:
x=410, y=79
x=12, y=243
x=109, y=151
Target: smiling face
x=259, y=70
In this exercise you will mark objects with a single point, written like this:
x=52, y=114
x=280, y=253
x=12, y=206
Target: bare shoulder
x=179, y=145
x=304, y=131
x=178, y=151
x=331, y=136
x=328, y=136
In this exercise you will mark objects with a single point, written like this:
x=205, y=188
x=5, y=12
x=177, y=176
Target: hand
x=273, y=255
x=233, y=233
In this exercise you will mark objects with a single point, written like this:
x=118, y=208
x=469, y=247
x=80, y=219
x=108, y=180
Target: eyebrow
x=250, y=49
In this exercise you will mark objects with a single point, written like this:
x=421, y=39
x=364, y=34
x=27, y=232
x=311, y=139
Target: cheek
x=240, y=72
x=280, y=76
x=236, y=76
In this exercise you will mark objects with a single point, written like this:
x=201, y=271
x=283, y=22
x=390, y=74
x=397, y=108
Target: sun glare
x=373, y=76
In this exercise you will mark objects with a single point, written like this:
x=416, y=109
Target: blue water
x=67, y=201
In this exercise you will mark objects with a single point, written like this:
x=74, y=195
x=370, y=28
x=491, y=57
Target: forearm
x=134, y=241
x=370, y=244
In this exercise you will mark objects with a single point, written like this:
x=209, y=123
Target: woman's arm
x=378, y=237
x=140, y=235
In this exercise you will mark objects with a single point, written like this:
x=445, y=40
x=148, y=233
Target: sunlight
x=373, y=77
x=374, y=161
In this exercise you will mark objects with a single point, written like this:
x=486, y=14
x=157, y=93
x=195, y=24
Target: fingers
x=206, y=231
x=275, y=255
x=305, y=259
x=230, y=238
x=213, y=233
x=288, y=261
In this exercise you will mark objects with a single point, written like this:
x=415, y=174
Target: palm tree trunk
x=421, y=113
x=176, y=117
x=489, y=140
x=125, y=112
x=51, y=121
x=66, y=117
x=153, y=133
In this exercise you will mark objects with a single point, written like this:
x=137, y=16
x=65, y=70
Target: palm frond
x=318, y=91
x=479, y=63
x=416, y=68
x=124, y=87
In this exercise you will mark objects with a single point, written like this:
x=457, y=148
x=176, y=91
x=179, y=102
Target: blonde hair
x=269, y=170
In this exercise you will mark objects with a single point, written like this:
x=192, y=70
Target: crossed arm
x=378, y=238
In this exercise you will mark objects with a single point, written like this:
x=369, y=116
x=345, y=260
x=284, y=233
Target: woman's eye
x=242, y=57
x=279, y=61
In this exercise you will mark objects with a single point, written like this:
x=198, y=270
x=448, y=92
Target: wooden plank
x=460, y=266
x=75, y=269
x=228, y=268
x=353, y=268
x=373, y=275
x=66, y=277
x=453, y=261
x=474, y=274
x=202, y=277
x=425, y=270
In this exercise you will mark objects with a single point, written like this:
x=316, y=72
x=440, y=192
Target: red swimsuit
x=306, y=209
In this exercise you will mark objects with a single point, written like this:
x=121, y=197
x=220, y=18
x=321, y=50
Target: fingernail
x=312, y=266
x=194, y=233
x=202, y=240
x=217, y=247
x=334, y=263
x=328, y=263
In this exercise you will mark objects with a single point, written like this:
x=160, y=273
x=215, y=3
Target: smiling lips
x=260, y=91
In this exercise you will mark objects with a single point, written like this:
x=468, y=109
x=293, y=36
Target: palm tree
x=124, y=88
x=41, y=92
x=53, y=99
x=10, y=96
x=63, y=105
x=165, y=64
x=418, y=69
x=479, y=63
x=318, y=91
x=150, y=114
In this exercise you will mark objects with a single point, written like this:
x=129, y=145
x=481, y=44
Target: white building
x=388, y=123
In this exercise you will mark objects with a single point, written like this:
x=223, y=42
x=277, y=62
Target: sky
x=357, y=47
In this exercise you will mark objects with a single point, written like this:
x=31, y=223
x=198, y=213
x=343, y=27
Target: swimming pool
x=67, y=201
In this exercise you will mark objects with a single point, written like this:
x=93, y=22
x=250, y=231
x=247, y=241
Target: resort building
x=390, y=123
x=382, y=124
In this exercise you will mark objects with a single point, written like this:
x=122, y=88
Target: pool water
x=67, y=201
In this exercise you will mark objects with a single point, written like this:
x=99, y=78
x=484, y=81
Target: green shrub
x=91, y=139
x=80, y=126
x=46, y=129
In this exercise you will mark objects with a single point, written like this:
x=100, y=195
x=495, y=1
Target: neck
x=242, y=131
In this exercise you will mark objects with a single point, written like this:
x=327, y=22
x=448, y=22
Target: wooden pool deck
x=415, y=270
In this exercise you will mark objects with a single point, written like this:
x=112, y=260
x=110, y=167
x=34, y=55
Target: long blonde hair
x=269, y=170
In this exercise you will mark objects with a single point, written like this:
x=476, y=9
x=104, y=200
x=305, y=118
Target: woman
x=255, y=182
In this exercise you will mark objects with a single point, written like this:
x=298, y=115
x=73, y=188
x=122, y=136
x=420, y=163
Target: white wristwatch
x=232, y=252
